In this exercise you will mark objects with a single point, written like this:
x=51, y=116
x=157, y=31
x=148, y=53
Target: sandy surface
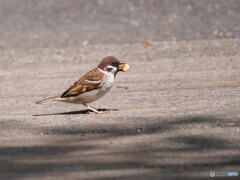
x=175, y=113
x=61, y=23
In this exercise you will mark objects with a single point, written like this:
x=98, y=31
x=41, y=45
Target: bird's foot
x=92, y=109
x=95, y=112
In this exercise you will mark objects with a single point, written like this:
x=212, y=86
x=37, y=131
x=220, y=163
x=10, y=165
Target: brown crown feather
x=107, y=61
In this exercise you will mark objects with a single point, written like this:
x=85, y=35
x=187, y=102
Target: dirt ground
x=61, y=23
x=174, y=114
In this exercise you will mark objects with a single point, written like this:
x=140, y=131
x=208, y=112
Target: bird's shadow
x=76, y=112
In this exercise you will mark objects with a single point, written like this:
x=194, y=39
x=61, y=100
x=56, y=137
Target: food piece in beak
x=124, y=67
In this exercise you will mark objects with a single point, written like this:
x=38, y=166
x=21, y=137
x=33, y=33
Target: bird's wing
x=90, y=81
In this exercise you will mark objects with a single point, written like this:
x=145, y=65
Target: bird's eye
x=115, y=64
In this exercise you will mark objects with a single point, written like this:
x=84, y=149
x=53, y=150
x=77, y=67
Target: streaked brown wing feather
x=90, y=81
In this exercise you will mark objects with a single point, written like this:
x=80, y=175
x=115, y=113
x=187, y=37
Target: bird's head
x=112, y=65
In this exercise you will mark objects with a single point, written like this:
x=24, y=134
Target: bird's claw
x=95, y=112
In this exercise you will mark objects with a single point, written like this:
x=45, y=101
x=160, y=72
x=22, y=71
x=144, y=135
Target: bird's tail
x=41, y=101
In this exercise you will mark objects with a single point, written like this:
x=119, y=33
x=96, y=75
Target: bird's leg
x=92, y=109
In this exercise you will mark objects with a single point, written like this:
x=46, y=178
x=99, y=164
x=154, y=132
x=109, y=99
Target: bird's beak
x=123, y=67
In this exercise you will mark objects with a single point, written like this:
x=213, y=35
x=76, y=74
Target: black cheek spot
x=109, y=69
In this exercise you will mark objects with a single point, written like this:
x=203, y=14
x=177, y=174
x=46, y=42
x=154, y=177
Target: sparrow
x=93, y=85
